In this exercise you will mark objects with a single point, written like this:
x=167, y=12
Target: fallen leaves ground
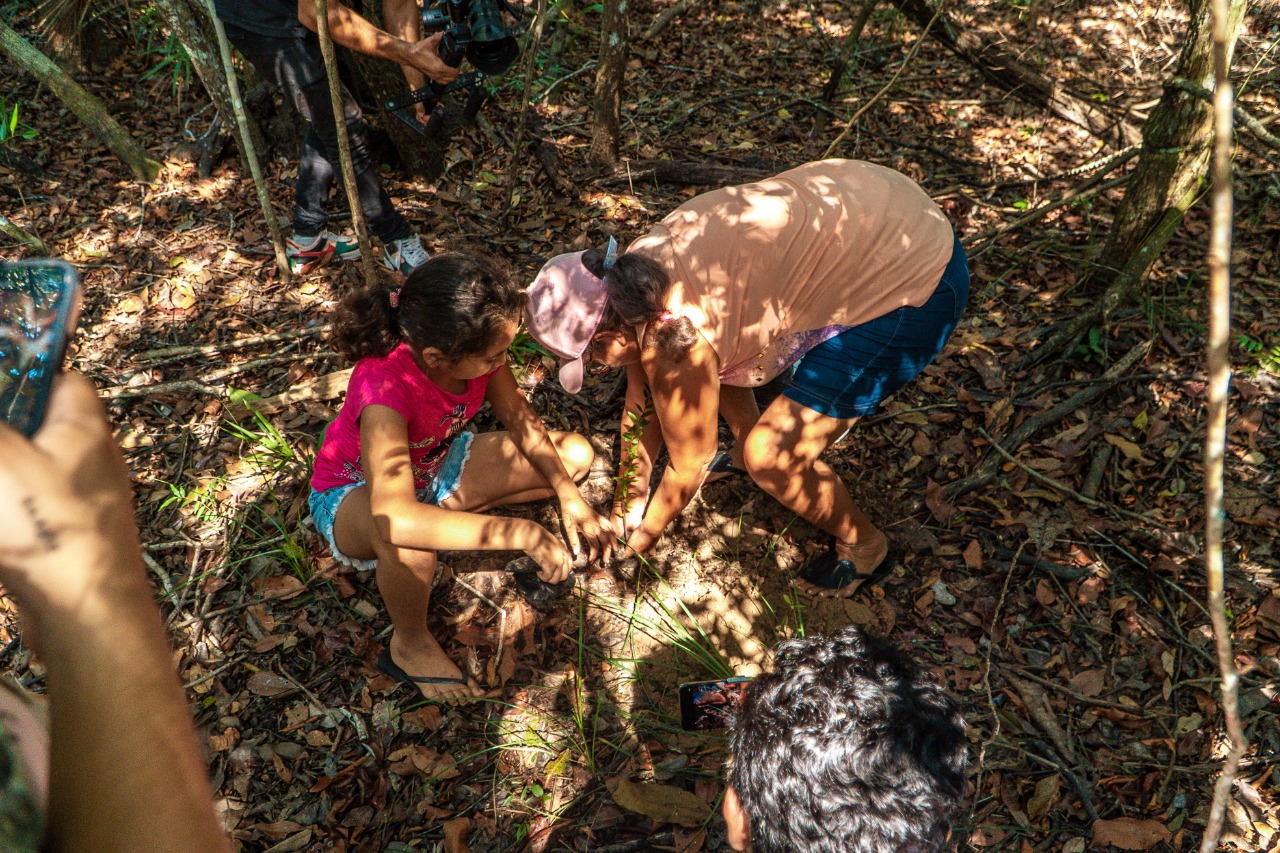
x=1072, y=631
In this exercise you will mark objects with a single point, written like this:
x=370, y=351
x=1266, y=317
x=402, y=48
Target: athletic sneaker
x=308, y=253
x=404, y=255
x=345, y=246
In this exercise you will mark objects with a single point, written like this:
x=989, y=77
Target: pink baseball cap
x=564, y=309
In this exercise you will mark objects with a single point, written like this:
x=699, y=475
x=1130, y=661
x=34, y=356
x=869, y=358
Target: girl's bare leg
x=498, y=474
x=404, y=579
x=782, y=455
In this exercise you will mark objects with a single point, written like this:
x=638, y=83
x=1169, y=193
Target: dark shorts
x=850, y=375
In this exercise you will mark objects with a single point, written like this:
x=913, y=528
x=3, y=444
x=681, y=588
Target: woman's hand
x=582, y=524
x=641, y=542
x=550, y=554
x=625, y=523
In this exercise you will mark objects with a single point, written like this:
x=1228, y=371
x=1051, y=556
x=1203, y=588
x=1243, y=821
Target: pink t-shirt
x=434, y=416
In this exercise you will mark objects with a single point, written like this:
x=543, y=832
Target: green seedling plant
x=11, y=127
x=1261, y=356
x=1093, y=348
x=629, y=470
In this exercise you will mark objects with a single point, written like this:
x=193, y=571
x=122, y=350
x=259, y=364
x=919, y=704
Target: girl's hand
x=554, y=559
x=582, y=524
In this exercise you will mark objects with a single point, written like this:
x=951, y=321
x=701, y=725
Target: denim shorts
x=850, y=375
x=324, y=505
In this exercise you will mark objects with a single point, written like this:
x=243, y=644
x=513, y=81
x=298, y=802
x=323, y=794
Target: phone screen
x=706, y=705
x=39, y=305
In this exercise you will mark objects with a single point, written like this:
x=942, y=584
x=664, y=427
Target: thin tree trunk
x=1225, y=26
x=1168, y=179
x=384, y=80
x=607, y=108
x=86, y=107
x=1175, y=150
x=244, y=140
x=187, y=21
x=1003, y=69
x=344, y=144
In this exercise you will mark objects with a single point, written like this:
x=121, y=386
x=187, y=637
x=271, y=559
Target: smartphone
x=706, y=705
x=39, y=306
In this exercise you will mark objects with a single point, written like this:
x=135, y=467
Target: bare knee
x=576, y=453
x=764, y=457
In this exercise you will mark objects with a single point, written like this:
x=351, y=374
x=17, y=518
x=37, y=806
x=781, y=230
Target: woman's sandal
x=827, y=571
x=721, y=466
x=391, y=669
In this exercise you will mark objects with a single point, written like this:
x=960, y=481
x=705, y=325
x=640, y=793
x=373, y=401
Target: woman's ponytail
x=637, y=288
x=366, y=324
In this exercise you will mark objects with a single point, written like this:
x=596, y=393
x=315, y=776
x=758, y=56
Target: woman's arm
x=126, y=773
x=686, y=399
x=530, y=435
x=406, y=523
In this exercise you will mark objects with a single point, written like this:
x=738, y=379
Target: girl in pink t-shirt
x=397, y=478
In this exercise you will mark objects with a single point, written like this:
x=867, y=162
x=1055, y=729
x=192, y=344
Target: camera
x=474, y=30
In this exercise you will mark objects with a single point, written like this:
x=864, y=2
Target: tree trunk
x=62, y=25
x=384, y=80
x=190, y=23
x=606, y=111
x=86, y=107
x=1002, y=69
x=1175, y=155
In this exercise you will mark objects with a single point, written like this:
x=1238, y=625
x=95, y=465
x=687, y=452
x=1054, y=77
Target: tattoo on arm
x=45, y=534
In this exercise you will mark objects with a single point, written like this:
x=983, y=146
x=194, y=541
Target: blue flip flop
x=391, y=669
x=828, y=571
x=722, y=466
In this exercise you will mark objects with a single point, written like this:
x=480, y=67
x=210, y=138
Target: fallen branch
x=230, y=346
x=201, y=385
x=23, y=236
x=681, y=172
x=660, y=24
x=990, y=466
x=327, y=387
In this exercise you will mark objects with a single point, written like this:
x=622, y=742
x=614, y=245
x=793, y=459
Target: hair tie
x=611, y=254
x=394, y=298
x=666, y=317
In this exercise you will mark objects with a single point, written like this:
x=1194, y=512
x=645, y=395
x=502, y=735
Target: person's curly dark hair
x=456, y=302
x=846, y=747
x=637, y=288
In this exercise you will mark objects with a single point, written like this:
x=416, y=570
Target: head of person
x=459, y=308
x=845, y=747
x=593, y=306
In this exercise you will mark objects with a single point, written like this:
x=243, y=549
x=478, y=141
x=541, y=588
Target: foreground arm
x=356, y=33
x=404, y=522
x=530, y=435
x=126, y=773
x=686, y=398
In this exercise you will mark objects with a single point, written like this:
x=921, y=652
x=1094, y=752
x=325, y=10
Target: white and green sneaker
x=404, y=255
x=345, y=246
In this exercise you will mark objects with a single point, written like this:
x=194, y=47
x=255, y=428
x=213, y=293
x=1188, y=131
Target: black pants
x=297, y=67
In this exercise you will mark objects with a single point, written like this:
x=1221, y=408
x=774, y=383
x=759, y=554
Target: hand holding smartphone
x=706, y=705
x=39, y=306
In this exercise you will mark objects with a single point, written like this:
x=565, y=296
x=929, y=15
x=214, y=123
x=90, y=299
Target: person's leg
x=404, y=577
x=837, y=382
x=480, y=487
x=740, y=411
x=783, y=453
x=384, y=221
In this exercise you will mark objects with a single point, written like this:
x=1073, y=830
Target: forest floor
x=1063, y=602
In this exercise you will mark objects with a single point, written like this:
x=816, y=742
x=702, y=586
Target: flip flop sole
x=829, y=572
